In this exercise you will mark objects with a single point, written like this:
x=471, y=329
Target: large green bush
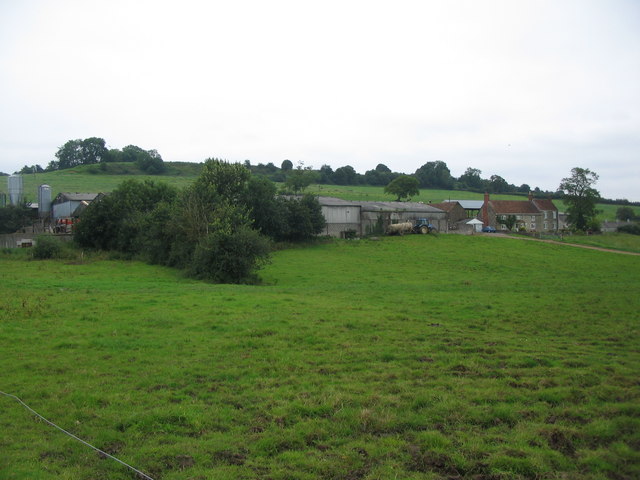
x=230, y=258
x=632, y=228
x=47, y=247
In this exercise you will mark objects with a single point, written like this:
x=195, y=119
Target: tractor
x=422, y=225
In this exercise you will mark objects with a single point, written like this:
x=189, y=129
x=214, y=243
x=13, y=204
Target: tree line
x=431, y=175
x=93, y=150
x=219, y=229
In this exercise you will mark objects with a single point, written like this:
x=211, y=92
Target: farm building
x=472, y=208
x=67, y=205
x=364, y=218
x=456, y=214
x=534, y=214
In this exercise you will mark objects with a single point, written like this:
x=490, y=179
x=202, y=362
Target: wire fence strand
x=102, y=452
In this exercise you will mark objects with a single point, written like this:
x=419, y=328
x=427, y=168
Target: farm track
x=589, y=247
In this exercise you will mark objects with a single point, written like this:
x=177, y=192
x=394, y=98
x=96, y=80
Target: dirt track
x=588, y=247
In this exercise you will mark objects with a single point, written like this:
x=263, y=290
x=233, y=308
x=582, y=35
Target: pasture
x=415, y=357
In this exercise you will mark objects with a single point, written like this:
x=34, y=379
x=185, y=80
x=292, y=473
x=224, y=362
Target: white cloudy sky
x=521, y=89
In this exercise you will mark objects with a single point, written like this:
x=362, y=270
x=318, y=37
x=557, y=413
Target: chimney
x=485, y=210
x=530, y=196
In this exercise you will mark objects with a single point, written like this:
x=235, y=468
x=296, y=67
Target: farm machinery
x=420, y=225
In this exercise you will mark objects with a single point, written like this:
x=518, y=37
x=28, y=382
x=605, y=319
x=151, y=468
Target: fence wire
x=102, y=452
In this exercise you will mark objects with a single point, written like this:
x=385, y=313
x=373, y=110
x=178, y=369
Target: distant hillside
x=106, y=177
x=99, y=178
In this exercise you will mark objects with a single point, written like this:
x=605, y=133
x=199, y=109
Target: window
x=533, y=219
x=554, y=214
x=533, y=226
x=518, y=217
x=546, y=226
x=546, y=215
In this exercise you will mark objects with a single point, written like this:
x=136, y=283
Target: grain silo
x=44, y=201
x=15, y=189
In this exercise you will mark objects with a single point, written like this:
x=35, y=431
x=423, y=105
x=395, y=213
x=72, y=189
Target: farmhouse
x=364, y=218
x=531, y=214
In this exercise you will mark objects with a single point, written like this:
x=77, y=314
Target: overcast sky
x=522, y=89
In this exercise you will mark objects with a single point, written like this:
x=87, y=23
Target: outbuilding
x=344, y=218
x=66, y=204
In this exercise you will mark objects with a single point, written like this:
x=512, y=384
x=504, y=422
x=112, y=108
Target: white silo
x=44, y=201
x=15, y=189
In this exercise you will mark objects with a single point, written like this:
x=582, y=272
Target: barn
x=66, y=204
x=363, y=218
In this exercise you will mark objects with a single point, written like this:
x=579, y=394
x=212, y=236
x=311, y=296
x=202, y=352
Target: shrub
x=47, y=247
x=230, y=258
x=632, y=228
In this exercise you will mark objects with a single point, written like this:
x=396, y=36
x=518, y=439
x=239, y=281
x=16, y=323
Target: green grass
x=412, y=357
x=90, y=178
x=615, y=241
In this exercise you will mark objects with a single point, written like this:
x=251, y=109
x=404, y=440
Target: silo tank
x=44, y=200
x=15, y=189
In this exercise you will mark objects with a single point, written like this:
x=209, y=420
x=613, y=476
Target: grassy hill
x=414, y=357
x=93, y=178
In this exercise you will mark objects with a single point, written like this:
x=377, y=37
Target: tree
x=300, y=178
x=382, y=168
x=345, y=176
x=14, y=217
x=304, y=218
x=326, y=172
x=265, y=209
x=497, y=184
x=625, y=214
x=286, y=165
x=227, y=180
x=151, y=163
x=403, y=187
x=508, y=221
x=435, y=175
x=471, y=179
x=80, y=152
x=27, y=169
x=115, y=221
x=580, y=197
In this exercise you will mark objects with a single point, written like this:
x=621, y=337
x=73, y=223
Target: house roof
x=336, y=202
x=446, y=206
x=398, y=206
x=75, y=197
x=379, y=206
x=513, y=207
x=544, y=204
x=468, y=204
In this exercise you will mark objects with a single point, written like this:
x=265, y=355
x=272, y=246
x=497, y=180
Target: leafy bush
x=47, y=247
x=632, y=228
x=230, y=258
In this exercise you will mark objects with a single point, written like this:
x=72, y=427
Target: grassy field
x=615, y=241
x=415, y=357
x=89, y=178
